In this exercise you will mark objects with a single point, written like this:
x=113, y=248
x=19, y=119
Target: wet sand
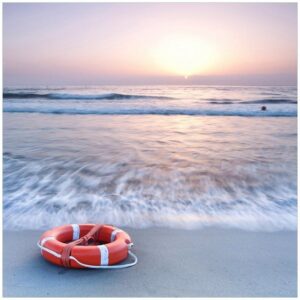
x=202, y=263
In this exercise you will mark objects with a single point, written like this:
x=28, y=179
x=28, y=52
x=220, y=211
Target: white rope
x=92, y=266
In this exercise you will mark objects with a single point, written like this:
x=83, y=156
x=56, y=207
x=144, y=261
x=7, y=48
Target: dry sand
x=203, y=263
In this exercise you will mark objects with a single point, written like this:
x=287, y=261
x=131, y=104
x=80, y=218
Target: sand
x=205, y=263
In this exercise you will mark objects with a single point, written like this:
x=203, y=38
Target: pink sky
x=140, y=43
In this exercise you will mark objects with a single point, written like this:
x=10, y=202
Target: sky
x=149, y=43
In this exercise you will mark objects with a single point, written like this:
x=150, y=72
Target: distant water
x=176, y=156
x=183, y=100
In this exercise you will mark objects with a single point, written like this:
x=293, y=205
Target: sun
x=184, y=56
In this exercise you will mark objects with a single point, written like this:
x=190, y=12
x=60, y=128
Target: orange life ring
x=77, y=246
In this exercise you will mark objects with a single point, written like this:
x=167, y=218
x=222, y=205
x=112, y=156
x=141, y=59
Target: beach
x=206, y=187
x=172, y=263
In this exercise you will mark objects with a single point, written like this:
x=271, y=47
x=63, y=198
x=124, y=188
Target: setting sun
x=184, y=56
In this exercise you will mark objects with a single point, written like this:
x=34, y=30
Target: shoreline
x=208, y=262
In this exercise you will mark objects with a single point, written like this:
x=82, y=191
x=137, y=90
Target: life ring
x=77, y=246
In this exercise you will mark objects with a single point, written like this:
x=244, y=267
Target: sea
x=150, y=156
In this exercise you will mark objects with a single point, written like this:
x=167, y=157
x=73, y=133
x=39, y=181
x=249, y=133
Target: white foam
x=141, y=198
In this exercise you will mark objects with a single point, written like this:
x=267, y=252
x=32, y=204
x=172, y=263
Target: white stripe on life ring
x=114, y=234
x=44, y=240
x=104, y=255
x=76, y=231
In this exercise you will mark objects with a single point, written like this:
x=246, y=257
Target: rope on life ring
x=94, y=267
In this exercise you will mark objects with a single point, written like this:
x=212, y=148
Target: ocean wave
x=260, y=101
x=222, y=102
x=148, y=111
x=180, y=172
x=270, y=101
x=56, y=191
x=69, y=96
